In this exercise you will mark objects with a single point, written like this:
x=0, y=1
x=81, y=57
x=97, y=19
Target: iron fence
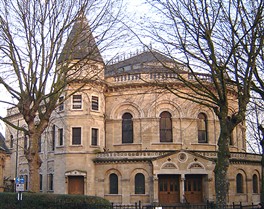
x=139, y=205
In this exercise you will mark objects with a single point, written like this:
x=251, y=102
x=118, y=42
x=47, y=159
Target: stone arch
x=196, y=166
x=256, y=185
x=169, y=165
x=195, y=109
x=166, y=105
x=112, y=170
x=132, y=180
x=167, y=168
x=122, y=108
x=244, y=183
x=107, y=181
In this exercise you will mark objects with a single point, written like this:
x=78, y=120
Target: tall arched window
x=239, y=183
x=165, y=127
x=231, y=141
x=139, y=183
x=202, y=128
x=255, y=183
x=113, y=184
x=127, y=128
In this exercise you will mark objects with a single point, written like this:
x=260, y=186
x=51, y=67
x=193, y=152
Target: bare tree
x=217, y=43
x=258, y=88
x=35, y=69
x=254, y=120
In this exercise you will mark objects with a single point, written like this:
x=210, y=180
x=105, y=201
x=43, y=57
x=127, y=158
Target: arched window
x=165, y=127
x=239, y=183
x=139, y=184
x=113, y=183
x=231, y=141
x=127, y=128
x=202, y=128
x=255, y=183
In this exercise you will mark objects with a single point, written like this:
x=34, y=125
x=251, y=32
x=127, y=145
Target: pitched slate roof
x=80, y=43
x=145, y=62
x=3, y=146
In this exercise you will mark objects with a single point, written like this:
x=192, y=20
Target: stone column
x=182, y=199
x=155, y=189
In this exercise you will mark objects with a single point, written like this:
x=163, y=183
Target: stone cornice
x=147, y=156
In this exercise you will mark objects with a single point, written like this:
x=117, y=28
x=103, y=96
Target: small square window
x=95, y=103
x=77, y=102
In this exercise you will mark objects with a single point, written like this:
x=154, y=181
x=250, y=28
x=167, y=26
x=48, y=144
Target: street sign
x=20, y=187
x=17, y=180
x=21, y=180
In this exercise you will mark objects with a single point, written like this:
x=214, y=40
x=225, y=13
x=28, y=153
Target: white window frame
x=77, y=103
x=98, y=104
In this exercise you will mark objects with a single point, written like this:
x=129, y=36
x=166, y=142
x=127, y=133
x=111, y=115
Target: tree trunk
x=222, y=164
x=34, y=163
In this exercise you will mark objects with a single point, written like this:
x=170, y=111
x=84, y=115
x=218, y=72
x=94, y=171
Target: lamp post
x=17, y=151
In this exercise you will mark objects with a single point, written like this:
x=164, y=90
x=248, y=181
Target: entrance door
x=169, y=189
x=76, y=185
x=193, y=188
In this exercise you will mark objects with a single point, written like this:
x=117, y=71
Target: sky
x=135, y=8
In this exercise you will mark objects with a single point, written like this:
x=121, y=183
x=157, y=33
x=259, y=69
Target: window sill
x=113, y=195
x=76, y=109
x=139, y=194
x=162, y=143
x=127, y=144
x=207, y=144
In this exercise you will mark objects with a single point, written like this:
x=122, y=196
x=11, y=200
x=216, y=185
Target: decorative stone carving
x=182, y=157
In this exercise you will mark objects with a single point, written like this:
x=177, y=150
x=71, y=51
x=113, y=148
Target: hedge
x=51, y=201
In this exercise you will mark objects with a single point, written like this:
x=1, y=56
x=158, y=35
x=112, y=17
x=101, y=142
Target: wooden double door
x=169, y=189
x=193, y=188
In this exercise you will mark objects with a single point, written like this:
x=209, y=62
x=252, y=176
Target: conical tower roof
x=80, y=44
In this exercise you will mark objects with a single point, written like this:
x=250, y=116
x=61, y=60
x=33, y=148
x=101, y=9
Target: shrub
x=51, y=201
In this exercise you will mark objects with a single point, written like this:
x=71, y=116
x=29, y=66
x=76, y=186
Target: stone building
x=126, y=140
x=4, y=154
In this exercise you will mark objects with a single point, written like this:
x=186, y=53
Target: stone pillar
x=155, y=189
x=182, y=199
